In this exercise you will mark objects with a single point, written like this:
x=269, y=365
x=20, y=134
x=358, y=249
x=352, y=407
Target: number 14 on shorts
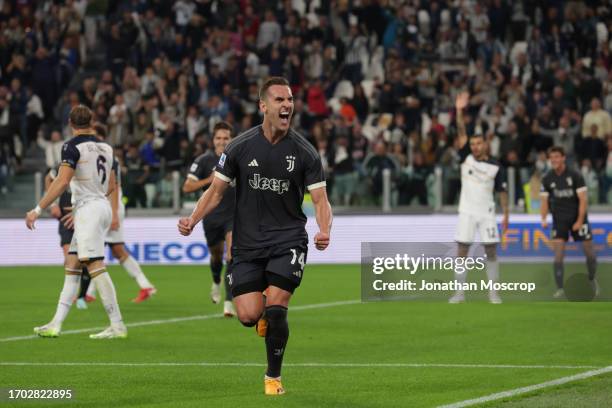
x=297, y=256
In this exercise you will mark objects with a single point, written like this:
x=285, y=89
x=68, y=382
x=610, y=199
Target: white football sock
x=461, y=278
x=133, y=269
x=493, y=270
x=69, y=292
x=91, y=289
x=109, y=297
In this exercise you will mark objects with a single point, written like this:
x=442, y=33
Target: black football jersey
x=203, y=166
x=561, y=191
x=65, y=199
x=271, y=180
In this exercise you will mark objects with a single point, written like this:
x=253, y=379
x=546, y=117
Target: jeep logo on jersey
x=290, y=163
x=258, y=182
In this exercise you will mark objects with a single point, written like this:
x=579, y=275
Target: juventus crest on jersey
x=92, y=161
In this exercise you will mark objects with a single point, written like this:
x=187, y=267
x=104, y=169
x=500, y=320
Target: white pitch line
x=529, y=388
x=315, y=365
x=181, y=319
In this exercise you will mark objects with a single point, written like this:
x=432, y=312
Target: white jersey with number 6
x=92, y=161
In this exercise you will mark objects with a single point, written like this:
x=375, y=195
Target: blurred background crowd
x=374, y=85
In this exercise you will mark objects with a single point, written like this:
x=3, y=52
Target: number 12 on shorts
x=297, y=256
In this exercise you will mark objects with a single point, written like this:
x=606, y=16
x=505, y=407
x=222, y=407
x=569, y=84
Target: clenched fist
x=321, y=240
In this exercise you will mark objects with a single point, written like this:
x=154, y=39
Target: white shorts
x=469, y=224
x=91, y=222
x=116, y=236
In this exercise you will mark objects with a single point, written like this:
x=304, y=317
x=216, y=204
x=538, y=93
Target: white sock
x=493, y=270
x=109, y=298
x=91, y=289
x=69, y=292
x=133, y=269
x=461, y=278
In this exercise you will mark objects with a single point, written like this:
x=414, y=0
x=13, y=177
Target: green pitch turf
x=341, y=353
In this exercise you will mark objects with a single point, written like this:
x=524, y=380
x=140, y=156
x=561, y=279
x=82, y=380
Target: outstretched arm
x=323, y=213
x=207, y=202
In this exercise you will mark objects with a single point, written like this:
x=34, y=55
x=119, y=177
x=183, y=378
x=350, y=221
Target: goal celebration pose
x=273, y=166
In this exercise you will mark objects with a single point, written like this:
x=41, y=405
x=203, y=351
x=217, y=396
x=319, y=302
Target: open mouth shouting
x=284, y=116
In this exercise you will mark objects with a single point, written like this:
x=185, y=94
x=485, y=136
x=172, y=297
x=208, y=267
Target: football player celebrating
x=273, y=166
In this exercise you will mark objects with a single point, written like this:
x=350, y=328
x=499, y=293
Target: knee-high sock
x=276, y=338
x=108, y=296
x=216, y=268
x=228, y=290
x=558, y=269
x=591, y=266
x=493, y=270
x=133, y=269
x=461, y=277
x=85, y=281
x=68, y=293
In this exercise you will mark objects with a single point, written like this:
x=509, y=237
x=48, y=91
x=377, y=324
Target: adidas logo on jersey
x=253, y=163
x=257, y=182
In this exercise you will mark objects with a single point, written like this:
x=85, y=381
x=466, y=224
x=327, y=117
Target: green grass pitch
x=341, y=353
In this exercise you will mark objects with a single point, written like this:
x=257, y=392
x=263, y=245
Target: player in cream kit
x=87, y=166
x=481, y=177
x=115, y=240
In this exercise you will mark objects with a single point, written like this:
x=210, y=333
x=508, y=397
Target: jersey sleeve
x=200, y=169
x=227, y=166
x=314, y=176
x=579, y=182
x=70, y=155
x=501, y=180
x=464, y=152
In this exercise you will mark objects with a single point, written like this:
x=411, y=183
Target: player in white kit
x=115, y=240
x=87, y=166
x=481, y=177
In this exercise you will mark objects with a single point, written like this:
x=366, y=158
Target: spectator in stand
x=599, y=118
x=52, y=148
x=593, y=149
x=607, y=176
x=180, y=67
x=375, y=165
x=317, y=104
x=136, y=174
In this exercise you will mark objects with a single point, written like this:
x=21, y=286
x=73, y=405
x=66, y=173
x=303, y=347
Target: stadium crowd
x=41, y=48
x=374, y=85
